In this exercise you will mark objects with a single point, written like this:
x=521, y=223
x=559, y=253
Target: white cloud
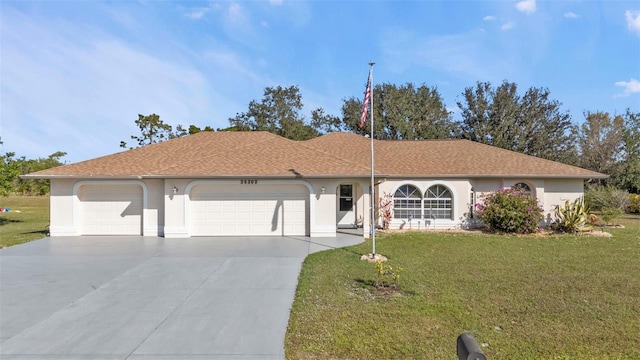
x=79, y=90
x=201, y=12
x=275, y=2
x=460, y=55
x=571, y=15
x=526, y=6
x=198, y=14
x=633, y=20
x=235, y=13
x=507, y=26
x=630, y=87
x=489, y=18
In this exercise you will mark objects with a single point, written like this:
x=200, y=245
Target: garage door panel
x=111, y=209
x=249, y=210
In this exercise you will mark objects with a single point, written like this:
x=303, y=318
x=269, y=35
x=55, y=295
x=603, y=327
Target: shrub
x=386, y=208
x=385, y=271
x=572, y=216
x=510, y=210
x=601, y=198
x=634, y=203
x=608, y=201
x=610, y=214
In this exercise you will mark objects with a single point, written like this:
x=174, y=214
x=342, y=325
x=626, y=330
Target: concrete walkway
x=151, y=298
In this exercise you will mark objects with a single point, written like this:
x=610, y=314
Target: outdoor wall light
x=322, y=189
x=175, y=190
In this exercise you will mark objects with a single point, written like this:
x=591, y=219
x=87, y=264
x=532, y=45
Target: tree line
x=532, y=123
x=11, y=167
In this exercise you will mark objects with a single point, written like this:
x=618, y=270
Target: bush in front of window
x=510, y=210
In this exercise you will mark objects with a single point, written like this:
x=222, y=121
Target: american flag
x=365, y=106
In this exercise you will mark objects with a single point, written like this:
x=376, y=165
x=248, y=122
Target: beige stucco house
x=258, y=183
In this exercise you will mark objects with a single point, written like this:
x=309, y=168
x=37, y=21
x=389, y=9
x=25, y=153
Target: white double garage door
x=211, y=209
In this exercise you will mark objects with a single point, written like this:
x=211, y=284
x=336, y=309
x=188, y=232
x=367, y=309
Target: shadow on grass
x=4, y=221
x=383, y=290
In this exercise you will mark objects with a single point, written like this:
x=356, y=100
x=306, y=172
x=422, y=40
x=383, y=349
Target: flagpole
x=372, y=193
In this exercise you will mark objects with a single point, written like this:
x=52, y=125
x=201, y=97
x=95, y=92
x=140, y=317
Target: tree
x=325, y=123
x=9, y=172
x=12, y=168
x=153, y=130
x=628, y=175
x=601, y=143
x=278, y=113
x=532, y=124
x=403, y=113
x=194, y=129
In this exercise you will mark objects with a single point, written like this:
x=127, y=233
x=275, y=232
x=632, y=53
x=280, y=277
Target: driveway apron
x=151, y=298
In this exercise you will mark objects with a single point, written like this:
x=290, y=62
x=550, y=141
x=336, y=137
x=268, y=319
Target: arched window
x=438, y=203
x=525, y=188
x=406, y=202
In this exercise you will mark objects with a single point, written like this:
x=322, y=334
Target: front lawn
x=524, y=297
x=28, y=219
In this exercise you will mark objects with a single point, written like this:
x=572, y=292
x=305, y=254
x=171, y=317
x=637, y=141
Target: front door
x=346, y=207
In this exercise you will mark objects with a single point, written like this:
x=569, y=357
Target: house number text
x=248, y=181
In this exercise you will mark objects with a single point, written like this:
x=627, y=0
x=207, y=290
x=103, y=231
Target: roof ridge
x=215, y=150
x=305, y=144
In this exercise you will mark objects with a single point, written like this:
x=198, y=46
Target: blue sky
x=76, y=74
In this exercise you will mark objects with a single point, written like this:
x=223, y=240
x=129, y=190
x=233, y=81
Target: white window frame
x=409, y=204
x=443, y=205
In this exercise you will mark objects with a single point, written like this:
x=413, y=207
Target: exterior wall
x=460, y=190
x=327, y=205
x=549, y=192
x=175, y=224
x=65, y=205
x=153, y=214
x=364, y=205
x=321, y=206
x=61, y=210
x=165, y=212
x=325, y=208
x=538, y=188
x=557, y=191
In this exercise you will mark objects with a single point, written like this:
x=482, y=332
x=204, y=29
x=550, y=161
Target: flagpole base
x=373, y=257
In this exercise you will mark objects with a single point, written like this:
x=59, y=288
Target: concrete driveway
x=151, y=298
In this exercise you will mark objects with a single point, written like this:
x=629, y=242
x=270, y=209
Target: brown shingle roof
x=227, y=154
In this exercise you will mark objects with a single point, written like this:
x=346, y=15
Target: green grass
x=28, y=219
x=527, y=297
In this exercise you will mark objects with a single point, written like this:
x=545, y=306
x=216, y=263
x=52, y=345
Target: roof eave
x=76, y=176
x=191, y=176
x=314, y=176
x=502, y=176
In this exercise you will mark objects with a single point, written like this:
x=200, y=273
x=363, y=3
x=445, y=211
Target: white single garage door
x=248, y=209
x=111, y=209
